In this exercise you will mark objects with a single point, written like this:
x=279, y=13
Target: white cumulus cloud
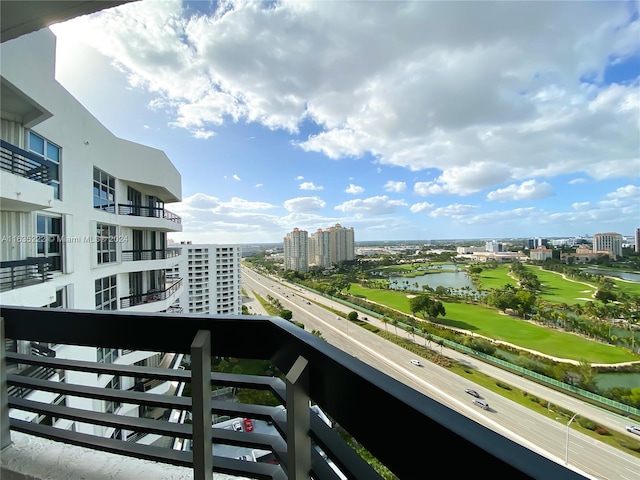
x=528, y=190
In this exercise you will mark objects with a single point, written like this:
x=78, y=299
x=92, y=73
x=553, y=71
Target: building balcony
x=147, y=302
x=371, y=407
x=24, y=180
x=25, y=282
x=144, y=217
x=145, y=255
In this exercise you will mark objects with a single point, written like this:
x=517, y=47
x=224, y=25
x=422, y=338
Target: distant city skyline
x=479, y=120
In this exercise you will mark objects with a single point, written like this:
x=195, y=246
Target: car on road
x=236, y=426
x=248, y=425
x=633, y=429
x=246, y=458
x=471, y=392
x=416, y=363
x=482, y=404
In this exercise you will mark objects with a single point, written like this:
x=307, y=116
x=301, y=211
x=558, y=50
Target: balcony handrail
x=150, y=254
x=146, y=211
x=25, y=272
x=25, y=164
x=355, y=395
x=151, y=296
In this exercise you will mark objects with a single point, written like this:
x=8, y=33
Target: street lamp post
x=566, y=457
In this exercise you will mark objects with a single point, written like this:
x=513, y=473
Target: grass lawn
x=486, y=321
x=630, y=288
x=559, y=290
x=496, y=278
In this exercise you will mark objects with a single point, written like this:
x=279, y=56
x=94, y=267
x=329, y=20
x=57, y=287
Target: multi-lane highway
x=546, y=436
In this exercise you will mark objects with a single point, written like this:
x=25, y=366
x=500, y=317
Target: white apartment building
x=608, y=242
x=540, y=253
x=333, y=245
x=341, y=244
x=296, y=250
x=83, y=219
x=213, y=276
x=493, y=246
x=319, y=248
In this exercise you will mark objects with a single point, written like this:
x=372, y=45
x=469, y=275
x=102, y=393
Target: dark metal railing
x=150, y=296
x=356, y=396
x=25, y=164
x=148, y=254
x=32, y=371
x=144, y=211
x=21, y=273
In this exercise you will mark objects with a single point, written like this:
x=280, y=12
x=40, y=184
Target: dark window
x=50, y=152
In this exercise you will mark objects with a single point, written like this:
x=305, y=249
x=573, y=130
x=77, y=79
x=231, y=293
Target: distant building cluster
x=588, y=249
x=324, y=248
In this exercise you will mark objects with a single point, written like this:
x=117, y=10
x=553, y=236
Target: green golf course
x=486, y=321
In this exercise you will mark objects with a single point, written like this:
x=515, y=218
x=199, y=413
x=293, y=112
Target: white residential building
x=540, y=253
x=82, y=216
x=608, y=242
x=213, y=278
x=331, y=246
x=341, y=244
x=296, y=250
x=319, y=247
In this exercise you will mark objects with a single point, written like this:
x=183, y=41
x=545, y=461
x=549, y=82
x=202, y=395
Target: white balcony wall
x=23, y=195
x=37, y=295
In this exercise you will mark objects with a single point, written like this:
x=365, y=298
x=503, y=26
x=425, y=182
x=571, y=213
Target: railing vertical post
x=298, y=420
x=5, y=431
x=201, y=406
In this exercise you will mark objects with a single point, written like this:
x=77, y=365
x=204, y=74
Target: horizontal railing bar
x=257, y=382
x=137, y=450
x=25, y=262
x=139, y=424
x=35, y=158
x=244, y=469
x=122, y=396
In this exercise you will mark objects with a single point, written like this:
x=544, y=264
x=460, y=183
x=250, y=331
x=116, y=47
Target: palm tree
x=425, y=335
x=385, y=320
x=394, y=322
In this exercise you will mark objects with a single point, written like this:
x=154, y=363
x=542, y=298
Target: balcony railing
x=143, y=211
x=150, y=296
x=25, y=164
x=147, y=254
x=379, y=412
x=22, y=273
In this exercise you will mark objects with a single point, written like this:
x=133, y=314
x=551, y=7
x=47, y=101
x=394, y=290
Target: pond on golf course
x=434, y=278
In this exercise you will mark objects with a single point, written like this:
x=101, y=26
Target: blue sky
x=405, y=120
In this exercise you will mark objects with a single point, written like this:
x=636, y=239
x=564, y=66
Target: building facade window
x=106, y=295
x=107, y=355
x=104, y=191
x=111, y=407
x=61, y=299
x=49, y=236
x=106, y=243
x=47, y=150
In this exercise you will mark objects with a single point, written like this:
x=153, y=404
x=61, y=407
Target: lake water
x=633, y=277
x=610, y=380
x=433, y=280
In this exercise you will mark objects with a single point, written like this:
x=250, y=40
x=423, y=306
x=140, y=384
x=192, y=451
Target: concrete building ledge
x=34, y=458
